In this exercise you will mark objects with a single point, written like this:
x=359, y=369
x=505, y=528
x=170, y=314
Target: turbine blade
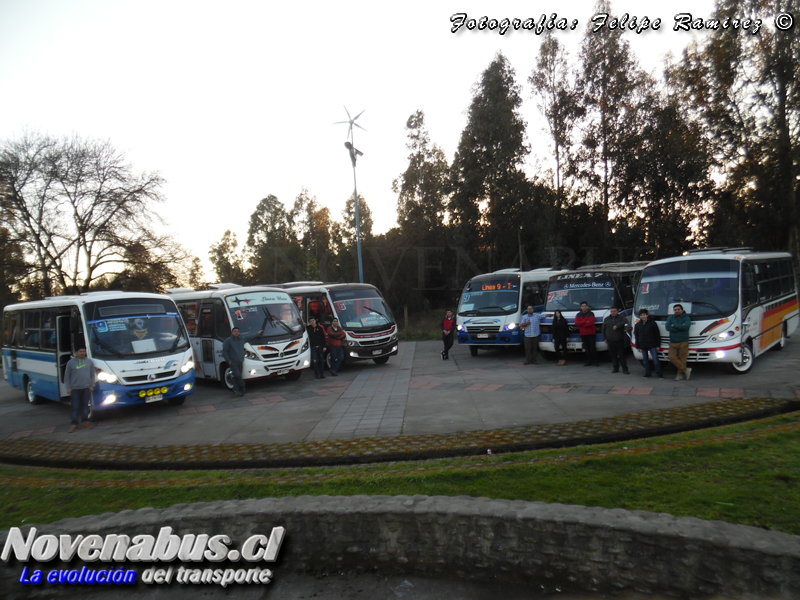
x=359, y=126
x=341, y=122
x=359, y=114
x=348, y=113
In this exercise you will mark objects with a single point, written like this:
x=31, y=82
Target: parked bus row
x=741, y=303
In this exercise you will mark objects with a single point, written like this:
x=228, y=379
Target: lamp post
x=354, y=154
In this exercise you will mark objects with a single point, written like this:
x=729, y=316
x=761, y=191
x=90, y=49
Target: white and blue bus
x=491, y=306
x=282, y=350
x=741, y=303
x=601, y=287
x=137, y=341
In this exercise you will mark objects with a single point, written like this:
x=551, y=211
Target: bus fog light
x=187, y=387
x=395, y=348
x=354, y=354
x=110, y=399
x=719, y=354
x=306, y=363
x=252, y=371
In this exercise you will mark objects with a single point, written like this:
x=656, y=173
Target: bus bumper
x=108, y=396
x=504, y=337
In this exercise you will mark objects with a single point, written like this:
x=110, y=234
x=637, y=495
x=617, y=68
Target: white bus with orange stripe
x=742, y=303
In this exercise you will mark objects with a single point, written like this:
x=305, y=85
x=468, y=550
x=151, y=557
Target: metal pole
x=358, y=221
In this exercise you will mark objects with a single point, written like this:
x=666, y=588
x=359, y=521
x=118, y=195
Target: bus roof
x=738, y=254
x=77, y=300
x=184, y=293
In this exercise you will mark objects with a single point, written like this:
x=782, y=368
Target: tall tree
x=228, y=261
x=77, y=207
x=745, y=92
x=609, y=80
x=421, y=188
x=558, y=102
x=487, y=165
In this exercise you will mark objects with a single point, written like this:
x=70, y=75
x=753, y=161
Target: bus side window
x=12, y=329
x=529, y=295
x=48, y=338
x=221, y=318
x=206, y=325
x=749, y=289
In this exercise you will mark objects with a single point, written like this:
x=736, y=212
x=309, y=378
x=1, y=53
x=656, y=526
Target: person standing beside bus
x=448, y=333
x=678, y=327
x=584, y=320
x=81, y=377
x=560, y=336
x=335, y=337
x=233, y=353
x=316, y=339
x=530, y=324
x=648, y=339
x=614, y=327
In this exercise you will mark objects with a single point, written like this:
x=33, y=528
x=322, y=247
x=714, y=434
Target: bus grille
x=373, y=342
x=143, y=378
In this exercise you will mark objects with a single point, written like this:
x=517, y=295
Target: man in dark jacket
x=648, y=339
x=316, y=339
x=584, y=321
x=614, y=327
x=233, y=353
x=80, y=378
x=678, y=327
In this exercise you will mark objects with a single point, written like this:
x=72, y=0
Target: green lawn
x=750, y=481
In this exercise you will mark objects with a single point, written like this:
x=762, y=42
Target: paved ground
x=414, y=394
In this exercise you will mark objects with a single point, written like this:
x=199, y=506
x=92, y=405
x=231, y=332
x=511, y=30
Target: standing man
x=233, y=353
x=648, y=339
x=584, y=321
x=678, y=325
x=614, y=328
x=316, y=338
x=530, y=326
x=448, y=329
x=335, y=336
x=80, y=377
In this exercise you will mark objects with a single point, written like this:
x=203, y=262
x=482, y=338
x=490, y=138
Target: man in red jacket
x=448, y=329
x=584, y=320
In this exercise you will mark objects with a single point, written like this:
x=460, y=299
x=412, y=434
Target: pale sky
x=233, y=101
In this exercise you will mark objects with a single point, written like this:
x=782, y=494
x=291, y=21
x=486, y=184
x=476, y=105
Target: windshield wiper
x=492, y=307
x=714, y=306
x=468, y=313
x=375, y=311
x=178, y=338
x=107, y=347
x=272, y=320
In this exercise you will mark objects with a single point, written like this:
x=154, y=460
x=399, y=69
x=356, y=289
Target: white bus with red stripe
x=742, y=303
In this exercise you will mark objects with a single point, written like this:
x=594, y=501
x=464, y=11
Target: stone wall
x=550, y=545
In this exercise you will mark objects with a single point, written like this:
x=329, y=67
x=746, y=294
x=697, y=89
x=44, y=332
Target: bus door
x=319, y=308
x=63, y=351
x=205, y=339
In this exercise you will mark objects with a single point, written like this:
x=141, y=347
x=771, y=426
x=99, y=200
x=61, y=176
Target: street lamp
x=354, y=154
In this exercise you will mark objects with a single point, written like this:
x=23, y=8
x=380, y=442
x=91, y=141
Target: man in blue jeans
x=81, y=377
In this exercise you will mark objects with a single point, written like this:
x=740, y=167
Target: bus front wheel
x=29, y=393
x=227, y=377
x=473, y=351
x=744, y=366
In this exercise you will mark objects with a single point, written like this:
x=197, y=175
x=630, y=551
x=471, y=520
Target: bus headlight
x=188, y=366
x=726, y=335
x=250, y=355
x=107, y=377
x=460, y=327
x=304, y=348
x=511, y=326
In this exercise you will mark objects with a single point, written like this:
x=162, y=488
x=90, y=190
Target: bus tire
x=227, y=377
x=29, y=393
x=176, y=401
x=293, y=376
x=473, y=351
x=382, y=360
x=746, y=363
x=784, y=338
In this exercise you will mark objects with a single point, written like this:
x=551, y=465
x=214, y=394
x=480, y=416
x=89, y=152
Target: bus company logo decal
x=121, y=548
x=171, y=364
x=151, y=377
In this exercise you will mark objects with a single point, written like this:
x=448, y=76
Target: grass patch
x=749, y=481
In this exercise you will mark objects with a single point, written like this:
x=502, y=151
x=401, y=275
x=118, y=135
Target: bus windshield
x=361, y=309
x=567, y=294
x=490, y=295
x=125, y=328
x=706, y=288
x=274, y=312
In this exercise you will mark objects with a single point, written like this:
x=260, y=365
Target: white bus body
x=602, y=287
x=741, y=303
x=211, y=314
x=137, y=342
x=491, y=307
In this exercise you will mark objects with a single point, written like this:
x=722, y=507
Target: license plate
x=482, y=336
x=283, y=372
x=154, y=398
x=574, y=346
x=374, y=352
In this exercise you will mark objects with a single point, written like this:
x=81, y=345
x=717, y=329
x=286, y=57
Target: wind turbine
x=354, y=154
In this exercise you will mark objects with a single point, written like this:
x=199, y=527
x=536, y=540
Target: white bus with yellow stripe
x=742, y=303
